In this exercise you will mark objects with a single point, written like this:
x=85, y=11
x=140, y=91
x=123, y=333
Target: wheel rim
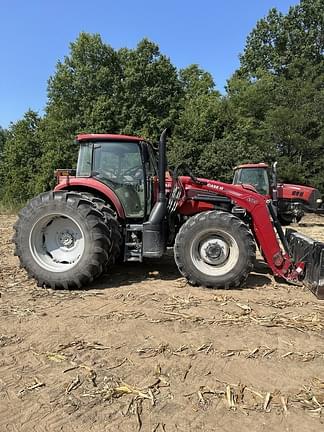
x=214, y=253
x=56, y=242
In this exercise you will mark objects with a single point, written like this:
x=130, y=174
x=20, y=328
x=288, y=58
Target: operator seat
x=130, y=200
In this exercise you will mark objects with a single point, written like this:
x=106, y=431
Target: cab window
x=255, y=177
x=119, y=165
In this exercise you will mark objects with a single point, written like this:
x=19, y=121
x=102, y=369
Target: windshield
x=119, y=165
x=254, y=176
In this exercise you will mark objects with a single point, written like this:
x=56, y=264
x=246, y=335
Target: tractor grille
x=314, y=196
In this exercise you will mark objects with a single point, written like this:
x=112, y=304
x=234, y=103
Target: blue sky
x=35, y=34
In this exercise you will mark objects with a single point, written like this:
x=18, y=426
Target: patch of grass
x=10, y=208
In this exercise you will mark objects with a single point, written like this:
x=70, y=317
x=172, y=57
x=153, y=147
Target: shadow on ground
x=164, y=269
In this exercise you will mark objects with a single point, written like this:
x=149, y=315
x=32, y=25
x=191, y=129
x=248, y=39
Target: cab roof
x=107, y=137
x=252, y=165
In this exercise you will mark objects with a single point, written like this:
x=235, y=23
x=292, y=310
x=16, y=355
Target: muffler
x=311, y=252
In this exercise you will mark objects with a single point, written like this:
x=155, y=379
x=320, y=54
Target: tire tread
x=100, y=235
x=229, y=220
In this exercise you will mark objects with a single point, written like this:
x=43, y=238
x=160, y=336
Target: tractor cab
x=257, y=175
x=126, y=165
x=126, y=174
x=291, y=200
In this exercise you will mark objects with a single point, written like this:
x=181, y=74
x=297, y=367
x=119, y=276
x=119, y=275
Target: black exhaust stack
x=154, y=230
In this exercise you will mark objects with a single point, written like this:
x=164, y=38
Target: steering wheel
x=109, y=172
x=109, y=175
x=132, y=171
x=134, y=174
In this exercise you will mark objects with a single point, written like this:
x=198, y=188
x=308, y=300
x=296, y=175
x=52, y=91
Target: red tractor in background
x=291, y=201
x=119, y=205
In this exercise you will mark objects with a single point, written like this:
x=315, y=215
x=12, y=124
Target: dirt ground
x=142, y=350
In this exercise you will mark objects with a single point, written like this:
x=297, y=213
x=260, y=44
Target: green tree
x=21, y=160
x=85, y=88
x=195, y=81
x=225, y=131
x=295, y=125
x=3, y=136
x=281, y=40
x=278, y=118
x=150, y=91
x=198, y=125
x=278, y=91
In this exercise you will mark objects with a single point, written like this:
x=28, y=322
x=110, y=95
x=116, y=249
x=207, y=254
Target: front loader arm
x=265, y=234
x=262, y=224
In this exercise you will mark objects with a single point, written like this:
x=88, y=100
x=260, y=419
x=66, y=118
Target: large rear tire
x=215, y=249
x=62, y=240
x=116, y=253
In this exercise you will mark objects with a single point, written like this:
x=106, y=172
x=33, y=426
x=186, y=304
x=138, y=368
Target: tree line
x=273, y=108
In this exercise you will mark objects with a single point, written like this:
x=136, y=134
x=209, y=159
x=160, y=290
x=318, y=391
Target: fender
x=73, y=183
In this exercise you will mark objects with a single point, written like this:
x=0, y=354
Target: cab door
x=150, y=169
x=120, y=166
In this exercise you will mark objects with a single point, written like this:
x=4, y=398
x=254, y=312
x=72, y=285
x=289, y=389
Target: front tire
x=62, y=240
x=215, y=249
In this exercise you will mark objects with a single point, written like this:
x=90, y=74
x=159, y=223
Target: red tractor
x=119, y=205
x=290, y=200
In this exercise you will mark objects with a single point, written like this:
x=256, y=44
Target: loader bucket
x=311, y=252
